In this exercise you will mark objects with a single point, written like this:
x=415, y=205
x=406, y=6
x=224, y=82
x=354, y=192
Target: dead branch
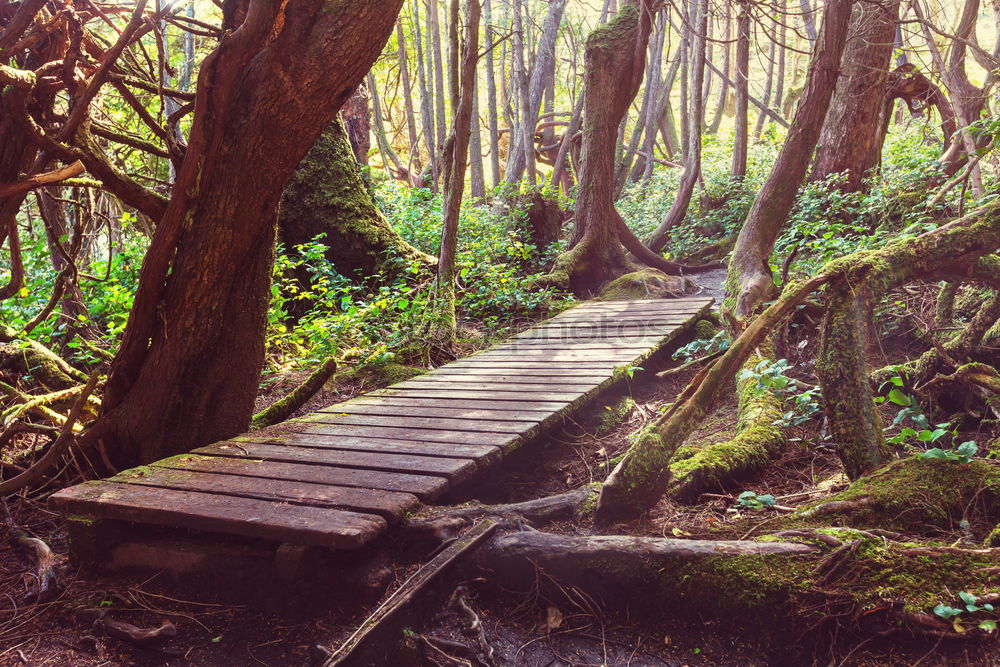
x=283, y=408
x=46, y=583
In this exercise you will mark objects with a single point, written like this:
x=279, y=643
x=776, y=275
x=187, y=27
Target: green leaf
x=899, y=398
x=936, y=453
x=767, y=499
x=944, y=611
x=988, y=625
x=967, y=449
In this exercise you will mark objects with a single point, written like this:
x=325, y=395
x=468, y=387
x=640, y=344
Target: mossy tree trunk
x=957, y=249
x=194, y=344
x=327, y=195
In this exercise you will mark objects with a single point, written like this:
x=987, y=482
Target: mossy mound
x=645, y=284
x=614, y=414
x=377, y=376
x=914, y=496
x=705, y=330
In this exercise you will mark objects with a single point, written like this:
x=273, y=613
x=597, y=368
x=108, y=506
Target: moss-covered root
x=915, y=496
x=32, y=358
x=878, y=586
x=757, y=441
x=641, y=477
x=843, y=378
x=645, y=284
x=377, y=376
x=283, y=408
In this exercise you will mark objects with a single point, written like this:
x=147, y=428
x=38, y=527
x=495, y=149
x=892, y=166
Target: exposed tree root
x=757, y=441
x=641, y=477
x=283, y=408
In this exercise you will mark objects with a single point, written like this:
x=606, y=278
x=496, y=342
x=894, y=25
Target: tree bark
x=695, y=115
x=357, y=116
x=741, y=136
x=194, y=343
x=750, y=279
x=491, y=96
x=851, y=139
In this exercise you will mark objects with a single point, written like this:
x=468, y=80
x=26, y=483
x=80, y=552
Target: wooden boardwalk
x=341, y=477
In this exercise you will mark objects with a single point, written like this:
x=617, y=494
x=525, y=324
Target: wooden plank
x=527, y=387
x=491, y=395
x=479, y=362
x=483, y=453
x=405, y=419
x=517, y=417
x=420, y=435
x=576, y=344
x=656, y=305
x=425, y=487
x=248, y=517
x=500, y=379
x=538, y=370
x=455, y=470
x=390, y=505
x=460, y=404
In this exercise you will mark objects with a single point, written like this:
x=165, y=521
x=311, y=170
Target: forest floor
x=216, y=628
x=224, y=627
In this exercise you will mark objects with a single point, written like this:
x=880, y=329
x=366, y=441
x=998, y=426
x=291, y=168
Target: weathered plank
x=519, y=419
x=388, y=504
x=485, y=454
x=542, y=407
x=405, y=418
x=248, y=517
x=420, y=435
x=500, y=379
x=456, y=470
x=520, y=387
x=425, y=487
x=496, y=396
x=537, y=370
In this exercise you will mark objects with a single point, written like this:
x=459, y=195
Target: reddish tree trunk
x=189, y=364
x=851, y=140
x=750, y=278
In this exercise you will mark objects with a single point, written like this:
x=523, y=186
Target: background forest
x=214, y=213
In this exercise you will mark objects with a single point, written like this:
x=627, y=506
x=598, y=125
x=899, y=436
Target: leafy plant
x=961, y=454
x=805, y=404
x=718, y=343
x=969, y=605
x=752, y=501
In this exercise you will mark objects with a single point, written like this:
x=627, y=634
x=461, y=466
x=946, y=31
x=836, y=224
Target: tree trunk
x=357, y=116
x=851, y=139
x=413, y=145
x=750, y=279
x=768, y=87
x=491, y=96
x=456, y=154
x=437, y=68
x=194, y=343
x=613, y=69
x=695, y=116
x=741, y=136
x=328, y=196
x=426, y=100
